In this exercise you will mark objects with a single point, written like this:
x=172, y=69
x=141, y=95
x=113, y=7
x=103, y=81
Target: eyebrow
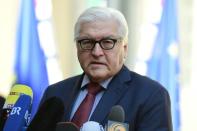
x=86, y=37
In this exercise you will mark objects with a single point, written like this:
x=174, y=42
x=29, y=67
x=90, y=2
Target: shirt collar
x=104, y=83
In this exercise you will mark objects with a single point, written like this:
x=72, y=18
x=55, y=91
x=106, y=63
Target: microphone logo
x=15, y=110
x=117, y=126
x=27, y=117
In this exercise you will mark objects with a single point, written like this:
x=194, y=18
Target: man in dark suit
x=101, y=36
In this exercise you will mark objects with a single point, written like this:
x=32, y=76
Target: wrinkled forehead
x=99, y=29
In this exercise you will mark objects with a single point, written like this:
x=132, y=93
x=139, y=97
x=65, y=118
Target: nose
x=97, y=50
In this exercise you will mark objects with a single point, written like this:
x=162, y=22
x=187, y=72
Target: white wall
x=8, y=16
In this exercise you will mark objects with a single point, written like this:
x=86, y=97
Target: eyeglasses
x=89, y=44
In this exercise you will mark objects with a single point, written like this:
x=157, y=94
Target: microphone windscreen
x=116, y=120
x=2, y=101
x=66, y=126
x=117, y=114
x=91, y=126
x=18, y=116
x=15, y=92
x=47, y=116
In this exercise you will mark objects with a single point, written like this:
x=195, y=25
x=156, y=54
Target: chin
x=97, y=78
x=99, y=75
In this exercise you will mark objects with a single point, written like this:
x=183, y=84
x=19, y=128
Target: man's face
x=100, y=64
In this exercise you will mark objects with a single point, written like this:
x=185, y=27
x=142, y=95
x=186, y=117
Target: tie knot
x=94, y=88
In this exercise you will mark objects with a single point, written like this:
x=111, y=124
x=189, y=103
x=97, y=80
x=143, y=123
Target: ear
x=125, y=50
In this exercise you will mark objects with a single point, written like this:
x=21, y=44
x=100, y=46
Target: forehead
x=99, y=29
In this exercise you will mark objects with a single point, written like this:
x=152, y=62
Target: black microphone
x=117, y=114
x=116, y=119
x=48, y=115
x=2, y=101
x=66, y=126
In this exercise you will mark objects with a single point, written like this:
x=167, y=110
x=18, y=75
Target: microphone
x=117, y=114
x=15, y=92
x=66, y=126
x=2, y=101
x=91, y=126
x=116, y=118
x=47, y=116
x=18, y=117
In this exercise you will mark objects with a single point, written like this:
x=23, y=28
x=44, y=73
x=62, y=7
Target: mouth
x=97, y=63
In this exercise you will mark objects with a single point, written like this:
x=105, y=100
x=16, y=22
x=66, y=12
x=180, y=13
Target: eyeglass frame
x=94, y=42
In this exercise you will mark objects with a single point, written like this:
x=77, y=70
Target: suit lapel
x=116, y=89
x=72, y=96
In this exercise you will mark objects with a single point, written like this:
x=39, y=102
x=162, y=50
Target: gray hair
x=102, y=13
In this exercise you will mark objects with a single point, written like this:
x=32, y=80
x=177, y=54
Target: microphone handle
x=4, y=115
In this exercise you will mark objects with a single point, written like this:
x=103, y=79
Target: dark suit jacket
x=145, y=102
